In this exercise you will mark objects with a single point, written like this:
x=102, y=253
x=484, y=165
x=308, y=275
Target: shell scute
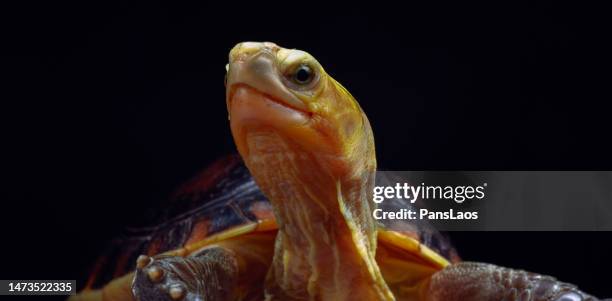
x=219, y=198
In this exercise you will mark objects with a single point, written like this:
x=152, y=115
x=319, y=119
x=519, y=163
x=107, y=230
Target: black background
x=107, y=107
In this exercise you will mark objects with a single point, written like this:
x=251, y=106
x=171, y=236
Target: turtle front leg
x=210, y=274
x=468, y=281
x=234, y=269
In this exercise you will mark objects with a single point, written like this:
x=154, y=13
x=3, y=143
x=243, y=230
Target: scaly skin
x=310, y=149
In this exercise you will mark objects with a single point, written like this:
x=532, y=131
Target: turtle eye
x=303, y=75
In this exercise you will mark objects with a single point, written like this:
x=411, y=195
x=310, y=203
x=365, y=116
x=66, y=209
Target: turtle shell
x=220, y=198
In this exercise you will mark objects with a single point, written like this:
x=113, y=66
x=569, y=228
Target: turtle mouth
x=274, y=102
x=254, y=114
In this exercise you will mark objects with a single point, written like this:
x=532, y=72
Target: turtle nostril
x=569, y=297
x=271, y=47
x=244, y=50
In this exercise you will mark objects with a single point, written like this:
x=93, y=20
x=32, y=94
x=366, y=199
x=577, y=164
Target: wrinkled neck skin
x=326, y=246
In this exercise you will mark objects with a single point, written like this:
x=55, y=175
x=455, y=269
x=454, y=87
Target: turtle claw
x=571, y=296
x=155, y=274
x=143, y=261
x=208, y=275
x=176, y=292
x=157, y=279
x=577, y=296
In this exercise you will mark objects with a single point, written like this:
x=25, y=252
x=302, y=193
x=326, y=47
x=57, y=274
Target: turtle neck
x=326, y=245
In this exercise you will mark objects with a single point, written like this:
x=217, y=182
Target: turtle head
x=287, y=92
x=310, y=149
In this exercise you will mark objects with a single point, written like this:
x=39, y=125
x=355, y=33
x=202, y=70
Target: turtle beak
x=258, y=100
x=253, y=64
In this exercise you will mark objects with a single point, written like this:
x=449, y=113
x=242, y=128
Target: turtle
x=290, y=218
